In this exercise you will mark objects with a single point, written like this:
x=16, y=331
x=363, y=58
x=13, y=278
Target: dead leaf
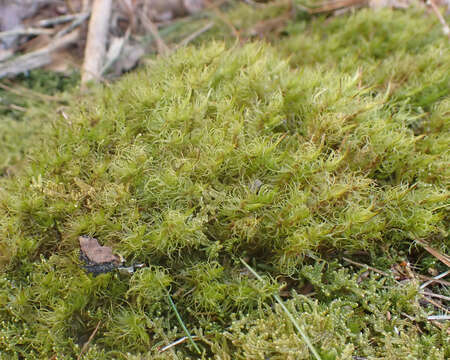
x=96, y=253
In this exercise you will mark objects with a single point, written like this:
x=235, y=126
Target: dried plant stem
x=96, y=40
x=86, y=345
x=366, y=266
x=434, y=279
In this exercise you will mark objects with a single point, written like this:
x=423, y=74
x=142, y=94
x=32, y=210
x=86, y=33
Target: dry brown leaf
x=95, y=252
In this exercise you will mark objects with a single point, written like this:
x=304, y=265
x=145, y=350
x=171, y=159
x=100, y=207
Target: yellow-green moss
x=210, y=156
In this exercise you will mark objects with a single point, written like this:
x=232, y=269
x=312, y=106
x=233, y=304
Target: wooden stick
x=96, y=41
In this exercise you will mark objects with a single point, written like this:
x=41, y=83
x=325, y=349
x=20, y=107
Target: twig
x=115, y=49
x=58, y=20
x=366, y=266
x=78, y=21
x=434, y=303
x=25, y=31
x=96, y=40
x=13, y=107
x=163, y=49
x=439, y=325
x=87, y=343
x=438, y=296
x=36, y=58
x=435, y=9
x=225, y=20
x=177, y=342
x=288, y=313
x=180, y=320
x=432, y=280
x=194, y=35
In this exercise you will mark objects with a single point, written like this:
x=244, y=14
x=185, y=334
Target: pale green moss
x=162, y=166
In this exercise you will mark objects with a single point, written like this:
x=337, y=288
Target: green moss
x=213, y=155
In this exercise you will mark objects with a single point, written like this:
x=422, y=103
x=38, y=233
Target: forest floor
x=284, y=179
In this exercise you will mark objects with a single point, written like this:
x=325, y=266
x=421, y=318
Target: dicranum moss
x=216, y=154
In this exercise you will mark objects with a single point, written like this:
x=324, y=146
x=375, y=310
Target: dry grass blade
x=438, y=296
x=26, y=31
x=177, y=342
x=434, y=303
x=442, y=257
x=87, y=343
x=23, y=91
x=436, y=279
x=366, y=266
x=288, y=313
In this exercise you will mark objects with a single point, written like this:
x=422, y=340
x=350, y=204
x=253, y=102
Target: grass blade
x=288, y=313
x=180, y=320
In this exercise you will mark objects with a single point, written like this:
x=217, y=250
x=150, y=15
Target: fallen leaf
x=96, y=253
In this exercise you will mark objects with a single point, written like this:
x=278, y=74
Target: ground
x=326, y=143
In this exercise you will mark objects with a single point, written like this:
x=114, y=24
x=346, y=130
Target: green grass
x=162, y=166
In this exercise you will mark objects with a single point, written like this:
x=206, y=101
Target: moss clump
x=204, y=158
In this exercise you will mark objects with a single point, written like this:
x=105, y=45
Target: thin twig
x=36, y=58
x=194, y=35
x=225, y=20
x=180, y=320
x=21, y=90
x=58, y=20
x=439, y=325
x=438, y=296
x=77, y=22
x=13, y=107
x=87, y=343
x=435, y=9
x=434, y=303
x=163, y=49
x=366, y=266
x=288, y=313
